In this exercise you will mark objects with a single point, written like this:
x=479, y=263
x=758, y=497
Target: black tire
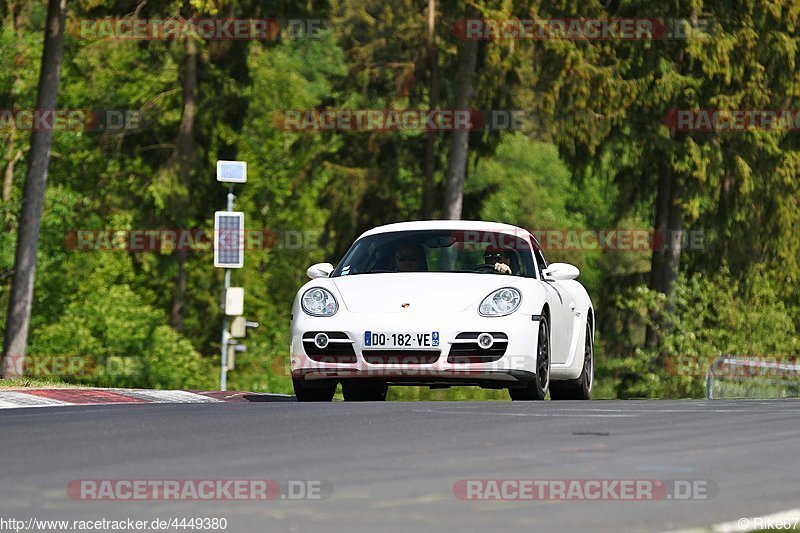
x=314, y=391
x=537, y=388
x=363, y=390
x=581, y=388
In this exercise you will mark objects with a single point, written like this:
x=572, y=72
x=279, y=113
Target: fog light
x=485, y=341
x=321, y=340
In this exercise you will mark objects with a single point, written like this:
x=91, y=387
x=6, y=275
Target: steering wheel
x=484, y=268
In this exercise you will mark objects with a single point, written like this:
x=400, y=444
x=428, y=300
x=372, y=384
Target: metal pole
x=223, y=373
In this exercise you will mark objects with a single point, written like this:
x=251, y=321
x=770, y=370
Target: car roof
x=466, y=225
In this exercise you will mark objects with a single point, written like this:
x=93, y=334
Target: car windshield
x=438, y=251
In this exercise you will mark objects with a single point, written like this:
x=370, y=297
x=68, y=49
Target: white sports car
x=443, y=303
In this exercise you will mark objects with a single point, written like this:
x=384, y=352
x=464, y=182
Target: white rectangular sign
x=232, y=171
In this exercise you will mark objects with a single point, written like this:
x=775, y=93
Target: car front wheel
x=581, y=388
x=314, y=390
x=537, y=388
x=362, y=390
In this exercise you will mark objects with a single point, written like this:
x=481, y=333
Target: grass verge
x=35, y=383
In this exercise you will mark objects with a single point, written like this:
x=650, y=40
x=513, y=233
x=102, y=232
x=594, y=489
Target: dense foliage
x=593, y=154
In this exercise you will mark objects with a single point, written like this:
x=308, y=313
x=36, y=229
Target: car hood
x=424, y=292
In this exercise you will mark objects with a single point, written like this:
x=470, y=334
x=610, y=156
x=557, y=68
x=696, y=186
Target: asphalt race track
x=393, y=466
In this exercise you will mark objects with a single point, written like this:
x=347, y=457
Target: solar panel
x=228, y=239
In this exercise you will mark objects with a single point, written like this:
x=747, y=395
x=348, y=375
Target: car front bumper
x=456, y=360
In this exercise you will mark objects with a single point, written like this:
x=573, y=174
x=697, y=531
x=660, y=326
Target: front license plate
x=395, y=339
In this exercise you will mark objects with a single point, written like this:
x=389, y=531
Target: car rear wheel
x=537, y=388
x=362, y=390
x=314, y=390
x=581, y=388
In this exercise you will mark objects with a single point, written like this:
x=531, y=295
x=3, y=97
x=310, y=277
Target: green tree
x=21, y=298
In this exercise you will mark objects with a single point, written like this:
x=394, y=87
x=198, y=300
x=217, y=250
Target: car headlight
x=319, y=302
x=501, y=302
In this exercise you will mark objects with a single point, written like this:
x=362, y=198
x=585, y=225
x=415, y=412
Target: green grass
x=35, y=383
x=753, y=388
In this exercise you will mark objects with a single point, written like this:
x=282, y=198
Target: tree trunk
x=459, y=148
x=661, y=227
x=727, y=195
x=186, y=151
x=179, y=293
x=428, y=189
x=672, y=257
x=21, y=298
x=11, y=157
x=660, y=243
x=8, y=174
x=185, y=143
x=667, y=256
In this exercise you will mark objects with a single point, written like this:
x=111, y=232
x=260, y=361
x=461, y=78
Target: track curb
x=17, y=398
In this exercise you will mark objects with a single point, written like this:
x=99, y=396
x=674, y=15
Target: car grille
x=400, y=357
x=470, y=352
x=339, y=348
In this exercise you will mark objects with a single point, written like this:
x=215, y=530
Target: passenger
x=407, y=259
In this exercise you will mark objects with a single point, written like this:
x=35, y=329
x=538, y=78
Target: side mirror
x=561, y=272
x=320, y=270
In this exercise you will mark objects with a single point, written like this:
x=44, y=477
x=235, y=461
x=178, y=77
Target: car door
x=562, y=305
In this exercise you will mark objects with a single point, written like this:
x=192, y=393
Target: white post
x=223, y=373
x=228, y=172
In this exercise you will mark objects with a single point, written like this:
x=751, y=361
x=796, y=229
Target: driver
x=500, y=258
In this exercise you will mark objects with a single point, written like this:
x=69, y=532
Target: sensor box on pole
x=234, y=301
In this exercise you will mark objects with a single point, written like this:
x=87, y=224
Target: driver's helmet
x=494, y=254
